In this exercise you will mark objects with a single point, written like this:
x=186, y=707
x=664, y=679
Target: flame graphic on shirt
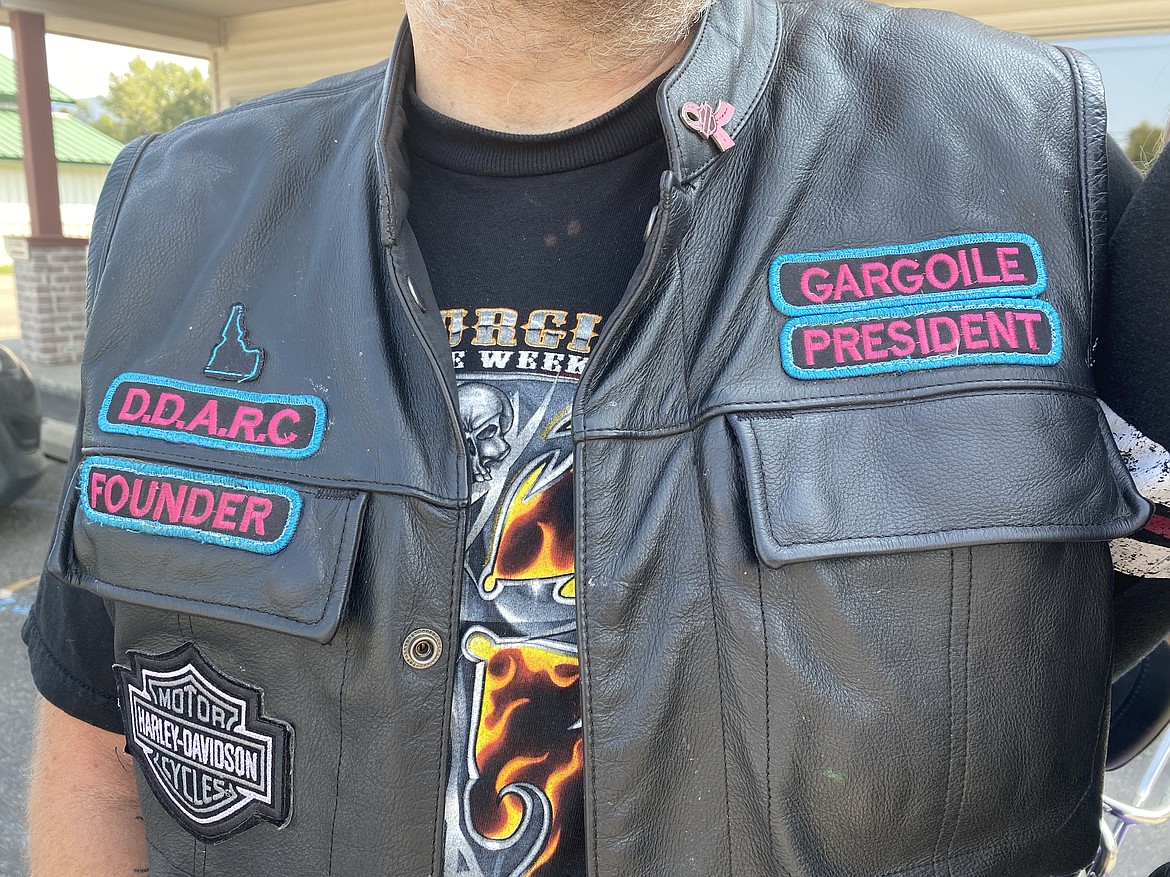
x=535, y=538
x=527, y=740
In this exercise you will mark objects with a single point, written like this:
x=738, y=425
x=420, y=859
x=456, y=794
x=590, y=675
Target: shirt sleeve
x=1132, y=363
x=70, y=640
x=69, y=633
x=1132, y=370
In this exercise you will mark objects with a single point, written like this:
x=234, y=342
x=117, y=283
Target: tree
x=1143, y=145
x=153, y=100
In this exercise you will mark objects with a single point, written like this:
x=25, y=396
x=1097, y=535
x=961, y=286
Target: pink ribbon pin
x=708, y=123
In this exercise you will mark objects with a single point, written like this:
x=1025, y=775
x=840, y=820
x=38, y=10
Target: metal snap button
x=422, y=648
x=414, y=294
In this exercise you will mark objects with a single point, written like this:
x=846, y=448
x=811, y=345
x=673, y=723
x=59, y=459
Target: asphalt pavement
x=24, y=540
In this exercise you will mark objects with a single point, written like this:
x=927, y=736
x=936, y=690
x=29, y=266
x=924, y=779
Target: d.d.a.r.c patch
x=213, y=760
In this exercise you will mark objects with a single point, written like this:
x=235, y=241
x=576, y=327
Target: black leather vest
x=843, y=485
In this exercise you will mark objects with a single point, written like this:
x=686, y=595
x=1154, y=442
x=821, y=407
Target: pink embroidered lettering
x=170, y=501
x=901, y=341
x=255, y=514
x=288, y=426
x=134, y=397
x=824, y=290
x=815, y=340
x=907, y=284
x=1009, y=262
x=193, y=516
x=168, y=409
x=846, y=282
x=950, y=268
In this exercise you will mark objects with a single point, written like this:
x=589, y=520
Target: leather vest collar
x=731, y=60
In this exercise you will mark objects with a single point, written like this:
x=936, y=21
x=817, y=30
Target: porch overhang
x=197, y=27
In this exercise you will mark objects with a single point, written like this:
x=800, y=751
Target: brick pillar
x=50, y=296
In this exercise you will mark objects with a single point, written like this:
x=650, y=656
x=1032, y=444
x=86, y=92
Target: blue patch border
x=907, y=365
x=154, y=528
x=1029, y=291
x=178, y=438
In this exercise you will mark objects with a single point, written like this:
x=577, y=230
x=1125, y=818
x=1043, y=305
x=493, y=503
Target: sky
x=1136, y=71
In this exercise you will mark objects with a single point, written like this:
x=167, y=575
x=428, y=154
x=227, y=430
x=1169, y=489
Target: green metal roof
x=8, y=83
x=77, y=142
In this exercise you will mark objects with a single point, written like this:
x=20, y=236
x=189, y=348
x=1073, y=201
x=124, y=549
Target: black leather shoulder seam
x=1093, y=170
x=109, y=208
x=323, y=88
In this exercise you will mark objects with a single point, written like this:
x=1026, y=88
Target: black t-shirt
x=530, y=243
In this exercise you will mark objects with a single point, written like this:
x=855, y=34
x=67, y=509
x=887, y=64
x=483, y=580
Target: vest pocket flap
x=933, y=473
x=262, y=553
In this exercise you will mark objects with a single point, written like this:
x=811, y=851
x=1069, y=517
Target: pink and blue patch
x=963, y=300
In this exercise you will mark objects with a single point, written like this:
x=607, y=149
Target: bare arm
x=84, y=816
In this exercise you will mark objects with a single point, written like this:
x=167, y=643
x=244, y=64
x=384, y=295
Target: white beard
x=606, y=32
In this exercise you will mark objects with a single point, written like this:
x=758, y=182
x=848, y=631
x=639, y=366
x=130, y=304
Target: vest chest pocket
x=943, y=472
x=267, y=554
x=934, y=626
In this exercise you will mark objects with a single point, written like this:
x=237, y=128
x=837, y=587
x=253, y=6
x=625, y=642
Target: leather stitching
x=767, y=717
x=324, y=609
x=408, y=489
x=776, y=543
x=710, y=579
x=839, y=403
x=718, y=658
x=162, y=855
x=950, y=715
x=584, y=657
x=108, y=231
x=452, y=636
x=1081, y=134
x=765, y=81
x=1133, y=699
x=340, y=750
x=966, y=630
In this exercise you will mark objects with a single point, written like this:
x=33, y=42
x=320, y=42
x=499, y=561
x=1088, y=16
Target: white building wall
x=270, y=51
x=80, y=187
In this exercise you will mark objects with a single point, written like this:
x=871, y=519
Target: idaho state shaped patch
x=231, y=358
x=213, y=760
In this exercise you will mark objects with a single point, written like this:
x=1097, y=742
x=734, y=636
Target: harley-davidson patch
x=233, y=512
x=207, y=751
x=960, y=267
x=267, y=424
x=987, y=332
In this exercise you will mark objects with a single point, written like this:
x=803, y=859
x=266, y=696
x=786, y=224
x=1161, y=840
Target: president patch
x=222, y=510
x=266, y=424
x=962, y=267
x=213, y=760
x=987, y=332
